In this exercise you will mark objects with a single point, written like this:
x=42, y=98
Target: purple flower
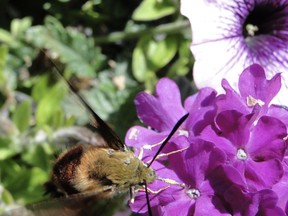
x=254, y=150
x=231, y=35
x=255, y=95
x=254, y=91
x=228, y=182
x=156, y=111
x=161, y=112
x=263, y=202
x=192, y=168
x=281, y=188
x=197, y=163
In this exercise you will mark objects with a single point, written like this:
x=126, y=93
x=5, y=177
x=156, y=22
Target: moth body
x=90, y=168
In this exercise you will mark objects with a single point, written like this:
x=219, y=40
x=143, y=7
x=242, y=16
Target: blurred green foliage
x=114, y=48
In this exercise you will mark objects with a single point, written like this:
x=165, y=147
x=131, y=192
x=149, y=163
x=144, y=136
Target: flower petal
x=222, y=143
x=253, y=82
x=231, y=100
x=151, y=112
x=264, y=203
x=221, y=15
x=156, y=111
x=207, y=205
x=170, y=99
x=256, y=173
x=280, y=112
x=196, y=162
x=234, y=126
x=179, y=207
x=267, y=139
x=232, y=58
x=138, y=136
x=202, y=109
x=281, y=188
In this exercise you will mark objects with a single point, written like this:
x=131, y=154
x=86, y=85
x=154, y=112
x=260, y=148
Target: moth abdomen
x=64, y=171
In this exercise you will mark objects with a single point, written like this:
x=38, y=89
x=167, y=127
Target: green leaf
x=160, y=52
x=7, y=197
x=49, y=104
x=73, y=47
x=6, y=37
x=9, y=168
x=40, y=88
x=26, y=185
x=38, y=157
x=150, y=55
x=3, y=56
x=6, y=149
x=153, y=9
x=58, y=119
x=22, y=115
x=88, y=8
x=19, y=26
x=18, y=29
x=6, y=153
x=184, y=62
x=140, y=66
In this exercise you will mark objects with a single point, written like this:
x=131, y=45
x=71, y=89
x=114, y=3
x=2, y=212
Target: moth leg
x=147, y=147
x=140, y=155
x=169, y=153
x=171, y=181
x=132, y=191
x=153, y=191
x=158, y=191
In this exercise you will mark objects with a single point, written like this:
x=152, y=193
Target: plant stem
x=169, y=28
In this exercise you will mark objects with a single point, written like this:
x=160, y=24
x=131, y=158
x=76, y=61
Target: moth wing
x=91, y=203
x=99, y=126
x=96, y=124
x=76, y=135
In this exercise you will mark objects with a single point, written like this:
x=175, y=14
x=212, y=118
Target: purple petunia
x=231, y=152
x=231, y=35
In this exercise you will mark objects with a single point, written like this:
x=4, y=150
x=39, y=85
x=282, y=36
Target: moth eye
x=151, y=174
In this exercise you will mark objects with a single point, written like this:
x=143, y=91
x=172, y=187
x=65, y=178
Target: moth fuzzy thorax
x=90, y=168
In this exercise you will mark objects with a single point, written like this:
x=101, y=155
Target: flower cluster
x=228, y=156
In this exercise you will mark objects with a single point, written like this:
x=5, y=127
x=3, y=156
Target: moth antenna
x=175, y=128
x=147, y=200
